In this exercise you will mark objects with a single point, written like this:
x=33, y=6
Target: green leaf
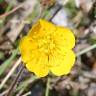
x=1, y=1
x=1, y=55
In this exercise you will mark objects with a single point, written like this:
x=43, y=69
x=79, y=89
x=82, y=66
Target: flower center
x=46, y=45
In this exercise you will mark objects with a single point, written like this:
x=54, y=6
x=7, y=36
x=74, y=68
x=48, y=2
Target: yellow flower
x=48, y=48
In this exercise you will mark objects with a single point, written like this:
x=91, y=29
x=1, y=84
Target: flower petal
x=24, y=48
x=27, y=48
x=41, y=28
x=31, y=65
x=56, y=57
x=65, y=66
x=39, y=66
x=64, y=38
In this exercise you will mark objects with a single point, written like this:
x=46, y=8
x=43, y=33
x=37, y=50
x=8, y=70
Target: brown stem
x=59, y=8
x=12, y=87
x=10, y=12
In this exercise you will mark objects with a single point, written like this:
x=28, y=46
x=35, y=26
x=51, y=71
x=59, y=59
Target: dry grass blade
x=10, y=12
x=14, y=83
x=10, y=73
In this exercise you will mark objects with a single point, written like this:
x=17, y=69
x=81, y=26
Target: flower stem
x=47, y=87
